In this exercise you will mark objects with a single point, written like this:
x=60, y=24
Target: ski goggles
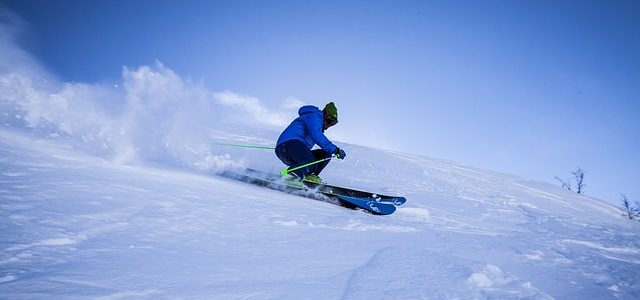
x=330, y=120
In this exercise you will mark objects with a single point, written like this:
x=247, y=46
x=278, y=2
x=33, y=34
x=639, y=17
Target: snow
x=76, y=225
x=113, y=194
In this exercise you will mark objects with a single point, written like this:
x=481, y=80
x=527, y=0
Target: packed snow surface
x=76, y=226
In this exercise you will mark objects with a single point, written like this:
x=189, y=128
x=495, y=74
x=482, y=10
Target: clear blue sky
x=533, y=88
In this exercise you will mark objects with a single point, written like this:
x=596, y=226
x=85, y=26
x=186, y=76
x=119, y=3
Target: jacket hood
x=307, y=109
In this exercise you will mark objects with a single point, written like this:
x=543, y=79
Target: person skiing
x=294, y=144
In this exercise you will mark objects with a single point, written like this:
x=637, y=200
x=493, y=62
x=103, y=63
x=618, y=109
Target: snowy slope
x=77, y=226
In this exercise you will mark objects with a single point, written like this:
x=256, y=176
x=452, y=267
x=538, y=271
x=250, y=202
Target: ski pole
x=245, y=146
x=286, y=171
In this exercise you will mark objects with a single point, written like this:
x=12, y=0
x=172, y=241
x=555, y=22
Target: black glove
x=339, y=153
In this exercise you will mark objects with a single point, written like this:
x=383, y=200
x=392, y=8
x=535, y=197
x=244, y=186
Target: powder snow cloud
x=152, y=113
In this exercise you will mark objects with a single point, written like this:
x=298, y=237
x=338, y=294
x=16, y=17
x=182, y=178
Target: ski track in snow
x=77, y=226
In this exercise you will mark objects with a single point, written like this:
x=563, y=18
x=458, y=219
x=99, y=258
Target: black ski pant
x=295, y=153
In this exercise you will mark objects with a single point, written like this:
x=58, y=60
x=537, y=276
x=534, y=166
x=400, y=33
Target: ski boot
x=292, y=180
x=313, y=178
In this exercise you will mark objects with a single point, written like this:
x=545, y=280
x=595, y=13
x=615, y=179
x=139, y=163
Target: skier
x=294, y=144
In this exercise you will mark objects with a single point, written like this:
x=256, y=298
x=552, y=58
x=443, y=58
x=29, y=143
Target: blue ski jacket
x=308, y=129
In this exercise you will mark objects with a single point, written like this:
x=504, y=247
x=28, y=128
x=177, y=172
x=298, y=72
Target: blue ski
x=369, y=204
x=354, y=199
